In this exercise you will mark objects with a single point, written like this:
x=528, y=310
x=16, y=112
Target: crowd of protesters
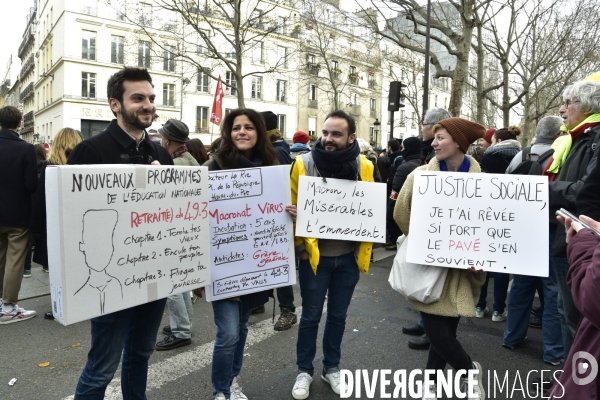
x=564, y=149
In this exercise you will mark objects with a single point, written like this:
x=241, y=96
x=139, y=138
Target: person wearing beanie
x=505, y=146
x=282, y=147
x=411, y=155
x=451, y=141
x=300, y=145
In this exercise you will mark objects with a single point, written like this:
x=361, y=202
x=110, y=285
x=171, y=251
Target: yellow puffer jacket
x=311, y=245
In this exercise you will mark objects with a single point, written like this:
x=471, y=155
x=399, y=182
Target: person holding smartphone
x=579, y=379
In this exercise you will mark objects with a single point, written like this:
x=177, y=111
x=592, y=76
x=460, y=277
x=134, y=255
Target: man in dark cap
x=178, y=333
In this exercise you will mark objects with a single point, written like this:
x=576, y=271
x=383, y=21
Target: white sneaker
x=480, y=313
x=236, y=391
x=302, y=386
x=432, y=393
x=478, y=387
x=15, y=315
x=220, y=396
x=497, y=317
x=333, y=379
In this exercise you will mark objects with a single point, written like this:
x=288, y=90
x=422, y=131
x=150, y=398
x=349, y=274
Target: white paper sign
x=494, y=222
x=252, y=240
x=123, y=235
x=341, y=209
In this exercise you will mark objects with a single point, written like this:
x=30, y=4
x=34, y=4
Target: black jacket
x=579, y=165
x=18, y=179
x=408, y=166
x=115, y=146
x=588, y=199
x=283, y=152
x=391, y=169
x=496, y=159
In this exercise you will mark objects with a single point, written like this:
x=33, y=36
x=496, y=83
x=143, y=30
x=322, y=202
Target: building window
x=256, y=87
x=280, y=25
x=169, y=94
x=169, y=58
x=282, y=56
x=117, y=48
x=312, y=94
x=203, y=79
x=335, y=69
x=436, y=99
x=144, y=54
x=202, y=49
x=372, y=81
x=281, y=124
x=88, y=45
x=257, y=52
x=201, y=119
x=312, y=126
x=373, y=105
x=281, y=91
x=353, y=75
x=230, y=80
x=88, y=85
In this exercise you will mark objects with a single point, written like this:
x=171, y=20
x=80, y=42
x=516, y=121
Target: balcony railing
x=313, y=103
x=27, y=92
x=26, y=67
x=313, y=68
x=28, y=118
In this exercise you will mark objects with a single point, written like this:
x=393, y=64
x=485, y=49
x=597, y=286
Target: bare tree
x=452, y=24
x=204, y=34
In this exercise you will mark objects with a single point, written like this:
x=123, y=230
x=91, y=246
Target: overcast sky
x=12, y=27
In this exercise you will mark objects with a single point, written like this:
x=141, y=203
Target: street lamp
x=376, y=125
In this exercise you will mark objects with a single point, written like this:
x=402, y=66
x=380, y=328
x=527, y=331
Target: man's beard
x=132, y=119
x=336, y=147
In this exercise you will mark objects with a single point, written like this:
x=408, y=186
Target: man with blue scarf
x=328, y=268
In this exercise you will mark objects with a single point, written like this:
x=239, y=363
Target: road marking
x=165, y=371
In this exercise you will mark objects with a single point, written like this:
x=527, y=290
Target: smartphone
x=564, y=213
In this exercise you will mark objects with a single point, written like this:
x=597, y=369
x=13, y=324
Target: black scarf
x=426, y=149
x=336, y=164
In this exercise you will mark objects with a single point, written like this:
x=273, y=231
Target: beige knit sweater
x=461, y=289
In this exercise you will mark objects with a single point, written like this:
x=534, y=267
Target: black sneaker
x=414, y=330
x=171, y=342
x=258, y=310
x=167, y=330
x=286, y=319
x=535, y=321
x=420, y=343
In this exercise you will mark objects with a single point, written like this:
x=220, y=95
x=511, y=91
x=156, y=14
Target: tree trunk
x=480, y=83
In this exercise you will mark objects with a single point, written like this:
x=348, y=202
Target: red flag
x=217, y=108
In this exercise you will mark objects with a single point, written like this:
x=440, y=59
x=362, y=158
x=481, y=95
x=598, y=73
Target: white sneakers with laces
x=478, y=387
x=302, y=386
x=220, y=396
x=16, y=314
x=333, y=378
x=236, y=391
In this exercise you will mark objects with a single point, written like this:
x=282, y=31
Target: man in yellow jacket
x=328, y=268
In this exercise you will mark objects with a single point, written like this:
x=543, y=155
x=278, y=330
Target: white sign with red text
x=493, y=222
x=252, y=240
x=124, y=235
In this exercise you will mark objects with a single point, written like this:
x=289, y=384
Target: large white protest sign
x=252, y=241
x=121, y=235
x=341, y=209
x=498, y=223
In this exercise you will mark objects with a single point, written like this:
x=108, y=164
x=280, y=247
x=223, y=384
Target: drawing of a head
x=97, y=237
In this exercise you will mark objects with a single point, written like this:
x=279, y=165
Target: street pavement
x=373, y=340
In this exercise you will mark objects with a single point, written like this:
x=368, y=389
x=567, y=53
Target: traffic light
x=396, y=96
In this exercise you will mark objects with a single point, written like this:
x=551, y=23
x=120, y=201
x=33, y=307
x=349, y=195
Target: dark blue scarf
x=464, y=167
x=336, y=164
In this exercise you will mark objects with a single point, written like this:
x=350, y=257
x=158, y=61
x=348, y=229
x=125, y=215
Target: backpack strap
x=595, y=141
x=525, y=153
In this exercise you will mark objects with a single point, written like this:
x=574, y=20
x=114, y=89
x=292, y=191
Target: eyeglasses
x=569, y=101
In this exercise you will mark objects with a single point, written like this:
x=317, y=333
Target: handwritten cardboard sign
x=123, y=235
x=252, y=241
x=498, y=223
x=341, y=209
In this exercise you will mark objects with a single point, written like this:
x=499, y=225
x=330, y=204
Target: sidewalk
x=39, y=282
x=37, y=285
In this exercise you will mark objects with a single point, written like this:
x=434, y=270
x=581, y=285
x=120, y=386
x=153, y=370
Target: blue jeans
x=500, y=290
x=566, y=307
x=180, y=315
x=131, y=332
x=520, y=303
x=231, y=318
x=336, y=277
